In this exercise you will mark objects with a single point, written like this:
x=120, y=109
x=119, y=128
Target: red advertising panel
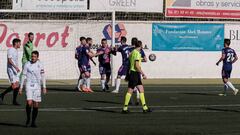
x=224, y=9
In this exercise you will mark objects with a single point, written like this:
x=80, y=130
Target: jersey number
x=127, y=53
x=230, y=57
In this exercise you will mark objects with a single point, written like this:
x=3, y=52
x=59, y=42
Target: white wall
x=60, y=63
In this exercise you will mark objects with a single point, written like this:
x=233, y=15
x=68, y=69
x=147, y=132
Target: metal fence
x=128, y=16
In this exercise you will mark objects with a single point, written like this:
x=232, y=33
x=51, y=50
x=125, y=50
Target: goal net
x=56, y=37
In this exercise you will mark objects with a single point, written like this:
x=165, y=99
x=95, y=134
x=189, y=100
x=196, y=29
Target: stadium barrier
x=57, y=39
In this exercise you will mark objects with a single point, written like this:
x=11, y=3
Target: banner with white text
x=187, y=37
x=203, y=8
x=49, y=5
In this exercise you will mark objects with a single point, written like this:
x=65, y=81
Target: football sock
x=15, y=94
x=80, y=82
x=142, y=98
x=118, y=83
x=127, y=99
x=34, y=114
x=230, y=85
x=28, y=111
x=103, y=84
x=88, y=82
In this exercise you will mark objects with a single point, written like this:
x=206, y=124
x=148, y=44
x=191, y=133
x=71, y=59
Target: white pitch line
x=81, y=110
x=151, y=92
x=94, y=109
x=174, y=106
x=161, y=86
x=182, y=86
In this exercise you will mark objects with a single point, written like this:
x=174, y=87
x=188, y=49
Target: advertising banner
x=49, y=5
x=203, y=8
x=128, y=5
x=232, y=32
x=187, y=37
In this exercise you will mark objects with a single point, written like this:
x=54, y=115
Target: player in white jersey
x=33, y=73
x=12, y=71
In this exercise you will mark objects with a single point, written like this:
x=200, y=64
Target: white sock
x=88, y=82
x=231, y=85
x=138, y=94
x=80, y=82
x=118, y=83
x=103, y=84
x=84, y=82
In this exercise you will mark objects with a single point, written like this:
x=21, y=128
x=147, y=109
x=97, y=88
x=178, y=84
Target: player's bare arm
x=144, y=59
x=23, y=77
x=90, y=54
x=99, y=53
x=235, y=59
x=139, y=69
x=221, y=59
x=11, y=62
x=91, y=51
x=93, y=61
x=44, y=89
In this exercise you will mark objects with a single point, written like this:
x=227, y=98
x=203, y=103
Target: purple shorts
x=123, y=70
x=226, y=73
x=105, y=69
x=85, y=68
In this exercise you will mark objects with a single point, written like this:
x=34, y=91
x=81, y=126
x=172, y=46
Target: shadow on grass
x=102, y=110
x=62, y=89
x=223, y=110
x=202, y=94
x=70, y=88
x=105, y=102
x=11, y=124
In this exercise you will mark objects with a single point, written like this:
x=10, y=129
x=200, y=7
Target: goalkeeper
x=27, y=49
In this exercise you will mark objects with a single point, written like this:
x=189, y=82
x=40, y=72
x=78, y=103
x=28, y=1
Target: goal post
x=56, y=37
x=113, y=44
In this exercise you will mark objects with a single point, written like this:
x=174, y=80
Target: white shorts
x=33, y=93
x=12, y=75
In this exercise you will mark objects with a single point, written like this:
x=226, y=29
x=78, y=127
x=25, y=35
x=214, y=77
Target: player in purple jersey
x=229, y=57
x=104, y=59
x=81, y=85
x=124, y=49
x=90, y=42
x=134, y=42
x=83, y=55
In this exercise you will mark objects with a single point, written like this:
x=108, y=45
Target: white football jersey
x=12, y=54
x=33, y=72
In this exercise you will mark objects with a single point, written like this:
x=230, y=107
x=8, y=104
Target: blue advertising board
x=187, y=37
